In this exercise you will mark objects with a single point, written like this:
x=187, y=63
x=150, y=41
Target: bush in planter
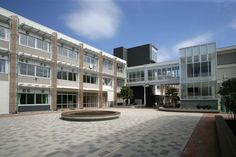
x=199, y=106
x=208, y=107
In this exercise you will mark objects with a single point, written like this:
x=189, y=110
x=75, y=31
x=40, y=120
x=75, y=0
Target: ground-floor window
x=90, y=100
x=66, y=100
x=32, y=98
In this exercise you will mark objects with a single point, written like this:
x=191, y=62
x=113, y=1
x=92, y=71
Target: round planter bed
x=89, y=115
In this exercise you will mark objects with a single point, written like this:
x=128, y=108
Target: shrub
x=199, y=106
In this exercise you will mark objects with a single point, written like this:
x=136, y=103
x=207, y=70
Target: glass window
x=31, y=41
x=190, y=89
x=70, y=77
x=39, y=44
x=23, y=68
x=39, y=71
x=38, y=98
x=189, y=59
x=204, y=69
x=64, y=52
x=22, y=98
x=64, y=75
x=45, y=46
x=23, y=39
x=30, y=98
x=205, y=89
x=203, y=58
x=2, y=65
x=31, y=70
x=196, y=59
x=59, y=99
x=46, y=72
x=2, y=33
x=196, y=69
x=59, y=73
x=107, y=81
x=190, y=70
x=197, y=89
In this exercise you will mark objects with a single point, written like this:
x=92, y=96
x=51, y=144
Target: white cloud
x=233, y=24
x=171, y=53
x=95, y=19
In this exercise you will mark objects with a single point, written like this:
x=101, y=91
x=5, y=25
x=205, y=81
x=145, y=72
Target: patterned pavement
x=138, y=132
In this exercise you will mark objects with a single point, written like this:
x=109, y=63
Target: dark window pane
x=59, y=75
x=59, y=99
x=64, y=99
x=23, y=68
x=30, y=98
x=39, y=71
x=204, y=68
x=190, y=70
x=38, y=98
x=64, y=74
x=22, y=98
x=70, y=76
x=196, y=69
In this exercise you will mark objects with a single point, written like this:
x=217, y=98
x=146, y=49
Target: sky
x=107, y=24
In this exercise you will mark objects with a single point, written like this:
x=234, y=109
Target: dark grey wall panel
x=228, y=58
x=33, y=108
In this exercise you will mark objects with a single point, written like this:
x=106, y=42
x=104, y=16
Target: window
x=120, y=68
x=196, y=69
x=204, y=68
x=107, y=64
x=22, y=98
x=41, y=98
x=31, y=41
x=190, y=89
x=120, y=82
x=66, y=75
x=31, y=70
x=205, y=89
x=90, y=78
x=23, y=39
x=67, y=53
x=2, y=65
x=30, y=99
x=3, y=33
x=190, y=70
x=23, y=69
x=90, y=59
x=107, y=81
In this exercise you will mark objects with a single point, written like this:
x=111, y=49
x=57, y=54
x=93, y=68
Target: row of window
x=107, y=81
x=199, y=69
x=136, y=76
x=33, y=42
x=66, y=75
x=90, y=78
x=163, y=73
x=90, y=100
x=197, y=90
x=32, y=98
x=66, y=100
x=34, y=70
x=65, y=52
x=90, y=59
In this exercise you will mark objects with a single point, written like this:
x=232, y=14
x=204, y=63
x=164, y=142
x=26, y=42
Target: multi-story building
x=42, y=69
x=197, y=74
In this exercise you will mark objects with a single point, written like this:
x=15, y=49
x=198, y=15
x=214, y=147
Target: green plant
x=228, y=92
x=199, y=106
x=126, y=93
x=172, y=93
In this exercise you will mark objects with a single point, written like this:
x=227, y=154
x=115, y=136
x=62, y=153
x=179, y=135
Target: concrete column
x=115, y=82
x=54, y=71
x=100, y=78
x=14, y=22
x=81, y=75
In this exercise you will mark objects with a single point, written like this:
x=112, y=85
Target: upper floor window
x=3, y=33
x=90, y=78
x=107, y=81
x=136, y=76
x=120, y=68
x=3, y=65
x=34, y=69
x=120, y=82
x=66, y=52
x=107, y=64
x=33, y=42
x=90, y=59
x=67, y=75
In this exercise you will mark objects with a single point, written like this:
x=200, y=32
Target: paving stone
x=138, y=132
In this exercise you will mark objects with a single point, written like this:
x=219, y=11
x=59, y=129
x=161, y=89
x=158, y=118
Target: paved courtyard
x=138, y=132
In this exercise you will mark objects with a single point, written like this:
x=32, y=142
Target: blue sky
x=106, y=24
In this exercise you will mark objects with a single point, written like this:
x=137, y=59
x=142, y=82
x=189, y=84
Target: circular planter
x=89, y=115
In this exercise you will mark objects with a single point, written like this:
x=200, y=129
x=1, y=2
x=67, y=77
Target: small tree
x=126, y=93
x=228, y=92
x=172, y=93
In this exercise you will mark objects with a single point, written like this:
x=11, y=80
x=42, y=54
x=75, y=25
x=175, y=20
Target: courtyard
x=138, y=132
